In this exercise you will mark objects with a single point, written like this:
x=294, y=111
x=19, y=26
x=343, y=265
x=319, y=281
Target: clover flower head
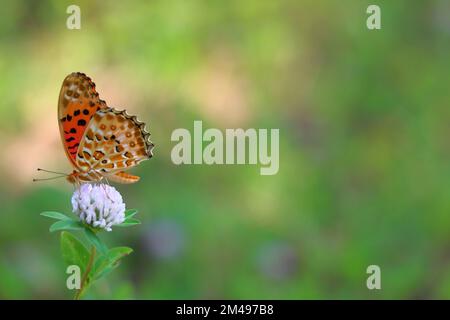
x=98, y=205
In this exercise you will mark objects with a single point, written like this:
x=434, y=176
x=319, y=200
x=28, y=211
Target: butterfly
x=100, y=142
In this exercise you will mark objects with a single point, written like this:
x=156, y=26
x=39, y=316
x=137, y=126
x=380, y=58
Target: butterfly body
x=100, y=142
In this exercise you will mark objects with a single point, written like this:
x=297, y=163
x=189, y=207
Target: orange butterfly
x=99, y=141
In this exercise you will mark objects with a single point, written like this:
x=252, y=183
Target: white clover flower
x=100, y=206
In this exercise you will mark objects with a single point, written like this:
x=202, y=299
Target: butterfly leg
x=104, y=188
x=76, y=184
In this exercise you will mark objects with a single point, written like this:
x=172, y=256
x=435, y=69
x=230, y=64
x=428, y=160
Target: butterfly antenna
x=45, y=179
x=62, y=173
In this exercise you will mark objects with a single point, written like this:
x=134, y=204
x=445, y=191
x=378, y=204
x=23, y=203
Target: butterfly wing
x=114, y=141
x=77, y=104
x=122, y=177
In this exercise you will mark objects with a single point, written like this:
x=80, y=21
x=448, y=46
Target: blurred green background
x=364, y=153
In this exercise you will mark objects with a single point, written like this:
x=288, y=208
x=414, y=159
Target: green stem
x=86, y=274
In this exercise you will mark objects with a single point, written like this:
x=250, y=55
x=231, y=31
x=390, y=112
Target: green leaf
x=118, y=253
x=130, y=213
x=103, y=271
x=129, y=223
x=66, y=225
x=106, y=263
x=92, y=237
x=55, y=215
x=73, y=251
